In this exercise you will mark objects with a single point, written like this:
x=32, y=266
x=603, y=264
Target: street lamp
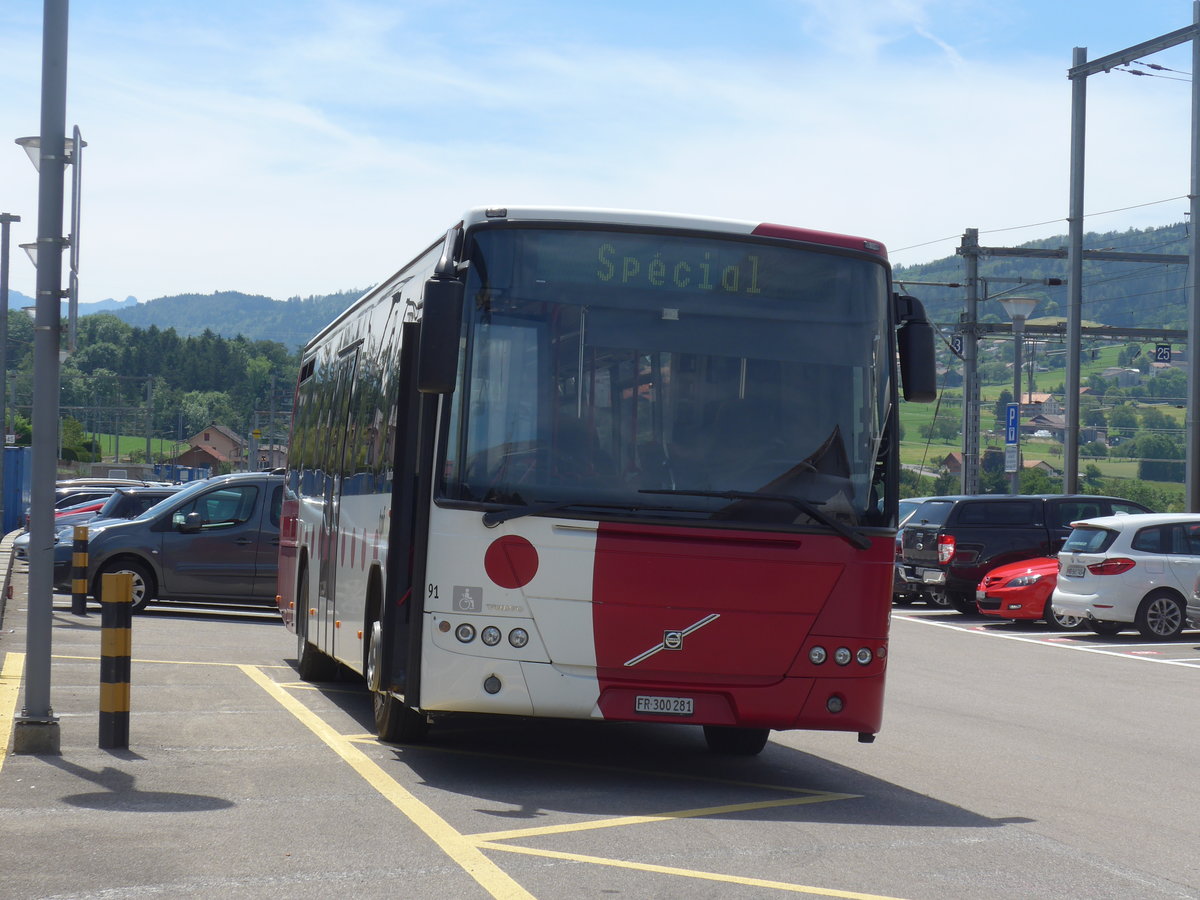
x=73, y=157
x=1018, y=309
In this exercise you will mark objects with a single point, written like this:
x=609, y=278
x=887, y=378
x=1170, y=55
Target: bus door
x=330, y=540
x=408, y=539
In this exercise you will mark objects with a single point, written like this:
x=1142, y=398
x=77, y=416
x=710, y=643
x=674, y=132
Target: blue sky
x=297, y=147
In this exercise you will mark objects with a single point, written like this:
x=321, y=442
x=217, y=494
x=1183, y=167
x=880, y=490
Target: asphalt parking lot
x=242, y=781
x=1181, y=650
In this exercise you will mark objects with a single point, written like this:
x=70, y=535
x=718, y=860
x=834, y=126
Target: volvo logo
x=673, y=639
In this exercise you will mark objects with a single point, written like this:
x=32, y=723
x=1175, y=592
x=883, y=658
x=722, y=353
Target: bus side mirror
x=915, y=342
x=441, y=323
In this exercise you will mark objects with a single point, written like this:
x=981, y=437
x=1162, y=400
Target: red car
x=1021, y=591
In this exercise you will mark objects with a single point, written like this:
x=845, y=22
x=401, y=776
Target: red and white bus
x=608, y=465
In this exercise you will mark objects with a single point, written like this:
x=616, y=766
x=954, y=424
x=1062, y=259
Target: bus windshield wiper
x=853, y=537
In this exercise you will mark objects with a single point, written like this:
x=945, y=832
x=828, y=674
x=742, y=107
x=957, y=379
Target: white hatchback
x=1118, y=572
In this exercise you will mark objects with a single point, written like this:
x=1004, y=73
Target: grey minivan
x=216, y=539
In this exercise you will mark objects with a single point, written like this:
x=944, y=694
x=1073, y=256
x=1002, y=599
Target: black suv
x=950, y=543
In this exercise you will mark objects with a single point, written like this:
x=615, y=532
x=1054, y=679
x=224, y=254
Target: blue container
x=18, y=476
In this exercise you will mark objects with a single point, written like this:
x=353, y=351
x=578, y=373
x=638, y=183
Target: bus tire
x=397, y=723
x=735, y=741
x=311, y=663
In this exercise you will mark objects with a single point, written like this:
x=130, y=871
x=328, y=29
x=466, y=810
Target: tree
x=1093, y=415
x=1154, y=419
x=1001, y=407
x=1123, y=419
x=945, y=483
x=202, y=408
x=1039, y=481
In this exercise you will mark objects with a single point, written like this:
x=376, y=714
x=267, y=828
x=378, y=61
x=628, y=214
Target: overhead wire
x=1154, y=74
x=1103, y=212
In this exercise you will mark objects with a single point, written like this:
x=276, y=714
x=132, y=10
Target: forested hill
x=230, y=314
x=1132, y=294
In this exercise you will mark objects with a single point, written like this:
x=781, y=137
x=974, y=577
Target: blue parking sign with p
x=1012, y=414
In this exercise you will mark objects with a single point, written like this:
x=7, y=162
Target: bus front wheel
x=735, y=741
x=397, y=723
x=394, y=722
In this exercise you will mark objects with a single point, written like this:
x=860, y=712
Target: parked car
x=1020, y=592
x=950, y=543
x=1192, y=613
x=903, y=591
x=216, y=539
x=76, y=490
x=65, y=498
x=1120, y=572
x=123, y=503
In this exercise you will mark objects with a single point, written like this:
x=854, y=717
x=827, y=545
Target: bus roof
x=481, y=215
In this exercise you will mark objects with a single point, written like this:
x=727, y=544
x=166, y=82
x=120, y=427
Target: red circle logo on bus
x=511, y=561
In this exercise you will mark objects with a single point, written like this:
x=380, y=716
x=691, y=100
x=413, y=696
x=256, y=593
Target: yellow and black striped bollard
x=79, y=566
x=116, y=649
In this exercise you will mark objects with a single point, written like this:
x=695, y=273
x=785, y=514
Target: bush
x=1161, y=470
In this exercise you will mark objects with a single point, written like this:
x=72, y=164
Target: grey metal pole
x=1192, y=429
x=6, y=219
x=36, y=730
x=1075, y=276
x=149, y=417
x=271, y=442
x=1018, y=324
x=969, y=249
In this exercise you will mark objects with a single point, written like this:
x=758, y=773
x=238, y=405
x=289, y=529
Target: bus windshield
x=688, y=376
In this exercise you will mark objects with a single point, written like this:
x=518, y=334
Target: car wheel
x=1105, y=627
x=1063, y=621
x=964, y=603
x=1160, y=616
x=144, y=588
x=311, y=663
x=735, y=741
x=937, y=599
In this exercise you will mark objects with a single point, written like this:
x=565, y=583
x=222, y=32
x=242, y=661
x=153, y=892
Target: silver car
x=216, y=539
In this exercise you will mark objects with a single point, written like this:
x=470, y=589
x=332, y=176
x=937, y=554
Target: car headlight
x=1025, y=580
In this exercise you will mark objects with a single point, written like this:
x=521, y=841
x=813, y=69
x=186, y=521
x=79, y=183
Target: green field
x=916, y=450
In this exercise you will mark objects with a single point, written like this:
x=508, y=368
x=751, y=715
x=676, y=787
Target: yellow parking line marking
x=456, y=844
x=688, y=873
x=10, y=690
x=459, y=848
x=174, y=662
x=622, y=821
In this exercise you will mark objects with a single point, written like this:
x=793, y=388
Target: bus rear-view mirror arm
x=915, y=342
